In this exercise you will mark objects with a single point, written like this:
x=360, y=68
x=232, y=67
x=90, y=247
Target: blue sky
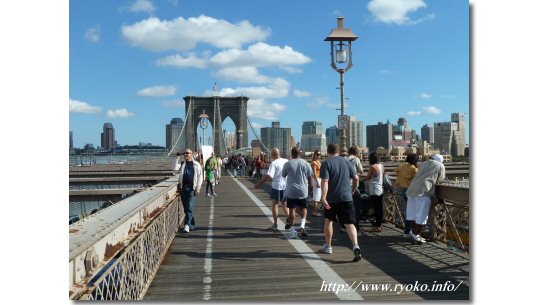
x=132, y=62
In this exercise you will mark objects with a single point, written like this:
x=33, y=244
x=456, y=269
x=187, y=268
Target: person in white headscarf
x=421, y=193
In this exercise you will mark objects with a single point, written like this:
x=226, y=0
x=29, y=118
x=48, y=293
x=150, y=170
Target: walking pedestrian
x=242, y=165
x=210, y=168
x=421, y=193
x=219, y=169
x=337, y=199
x=278, y=185
x=404, y=175
x=375, y=175
x=316, y=182
x=298, y=174
x=259, y=165
x=190, y=180
x=353, y=158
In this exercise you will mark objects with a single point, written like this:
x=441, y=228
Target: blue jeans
x=188, y=199
x=241, y=170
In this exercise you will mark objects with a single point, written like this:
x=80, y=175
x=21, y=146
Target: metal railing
x=448, y=220
x=115, y=253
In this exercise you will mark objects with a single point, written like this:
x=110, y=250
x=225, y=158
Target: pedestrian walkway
x=234, y=255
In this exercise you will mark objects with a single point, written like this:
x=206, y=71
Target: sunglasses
x=186, y=153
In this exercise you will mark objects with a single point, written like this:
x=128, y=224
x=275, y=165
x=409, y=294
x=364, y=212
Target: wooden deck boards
x=252, y=262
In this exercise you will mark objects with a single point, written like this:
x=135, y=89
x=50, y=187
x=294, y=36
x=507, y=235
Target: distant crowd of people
x=331, y=186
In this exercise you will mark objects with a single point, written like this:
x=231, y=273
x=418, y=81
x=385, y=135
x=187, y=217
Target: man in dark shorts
x=298, y=174
x=337, y=199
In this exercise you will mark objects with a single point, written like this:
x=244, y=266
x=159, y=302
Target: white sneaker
x=186, y=229
x=327, y=249
x=293, y=233
x=419, y=240
x=408, y=235
x=214, y=194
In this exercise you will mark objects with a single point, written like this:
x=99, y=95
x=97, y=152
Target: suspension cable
x=254, y=131
x=181, y=132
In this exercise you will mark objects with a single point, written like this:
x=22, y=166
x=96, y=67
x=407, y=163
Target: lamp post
x=204, y=123
x=342, y=38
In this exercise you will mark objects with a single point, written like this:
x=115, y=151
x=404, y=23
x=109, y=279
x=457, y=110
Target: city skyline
x=413, y=63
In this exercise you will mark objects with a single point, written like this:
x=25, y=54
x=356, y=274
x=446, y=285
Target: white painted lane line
x=323, y=270
x=208, y=265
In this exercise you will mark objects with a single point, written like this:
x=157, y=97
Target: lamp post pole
x=343, y=38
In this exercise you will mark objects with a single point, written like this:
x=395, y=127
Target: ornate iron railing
x=115, y=253
x=448, y=220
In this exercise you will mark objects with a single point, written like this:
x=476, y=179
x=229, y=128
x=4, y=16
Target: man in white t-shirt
x=277, y=186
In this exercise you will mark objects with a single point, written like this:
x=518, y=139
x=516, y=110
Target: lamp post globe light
x=204, y=123
x=341, y=39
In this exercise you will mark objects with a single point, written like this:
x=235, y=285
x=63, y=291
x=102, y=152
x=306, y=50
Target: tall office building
x=403, y=130
x=108, y=139
x=427, y=133
x=70, y=140
x=355, y=132
x=379, y=135
x=278, y=137
x=173, y=131
x=333, y=135
x=313, y=137
x=450, y=136
x=229, y=138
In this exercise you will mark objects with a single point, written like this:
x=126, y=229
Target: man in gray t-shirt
x=298, y=173
x=337, y=199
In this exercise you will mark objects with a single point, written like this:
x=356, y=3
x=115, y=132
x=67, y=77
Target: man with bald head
x=277, y=186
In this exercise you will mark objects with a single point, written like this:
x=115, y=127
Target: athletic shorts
x=345, y=211
x=418, y=208
x=292, y=203
x=277, y=195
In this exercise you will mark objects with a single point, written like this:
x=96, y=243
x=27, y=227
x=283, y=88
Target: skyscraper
x=333, y=135
x=378, y=135
x=173, y=131
x=403, y=130
x=355, y=132
x=450, y=136
x=278, y=137
x=108, y=139
x=313, y=138
x=427, y=133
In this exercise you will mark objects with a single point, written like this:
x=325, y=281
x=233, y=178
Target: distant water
x=77, y=160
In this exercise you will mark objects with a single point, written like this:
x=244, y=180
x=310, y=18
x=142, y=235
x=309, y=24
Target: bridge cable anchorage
x=254, y=131
x=180, y=133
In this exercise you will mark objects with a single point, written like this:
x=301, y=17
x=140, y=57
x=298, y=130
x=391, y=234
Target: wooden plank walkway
x=249, y=261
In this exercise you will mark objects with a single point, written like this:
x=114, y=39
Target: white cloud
x=256, y=125
x=278, y=88
x=318, y=102
x=142, y=6
x=432, y=109
x=301, y=93
x=157, y=91
x=261, y=109
x=260, y=55
x=396, y=11
x=425, y=95
x=119, y=113
x=414, y=113
x=82, y=107
x=184, y=34
x=243, y=75
x=174, y=104
x=93, y=34
x=291, y=70
x=179, y=61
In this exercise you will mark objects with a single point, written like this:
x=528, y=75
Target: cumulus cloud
x=261, y=109
x=256, y=125
x=291, y=70
x=301, y=93
x=243, y=75
x=278, y=88
x=179, y=61
x=432, y=110
x=82, y=107
x=157, y=91
x=414, y=113
x=142, y=6
x=93, y=34
x=260, y=55
x=174, y=104
x=185, y=34
x=397, y=11
x=119, y=113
